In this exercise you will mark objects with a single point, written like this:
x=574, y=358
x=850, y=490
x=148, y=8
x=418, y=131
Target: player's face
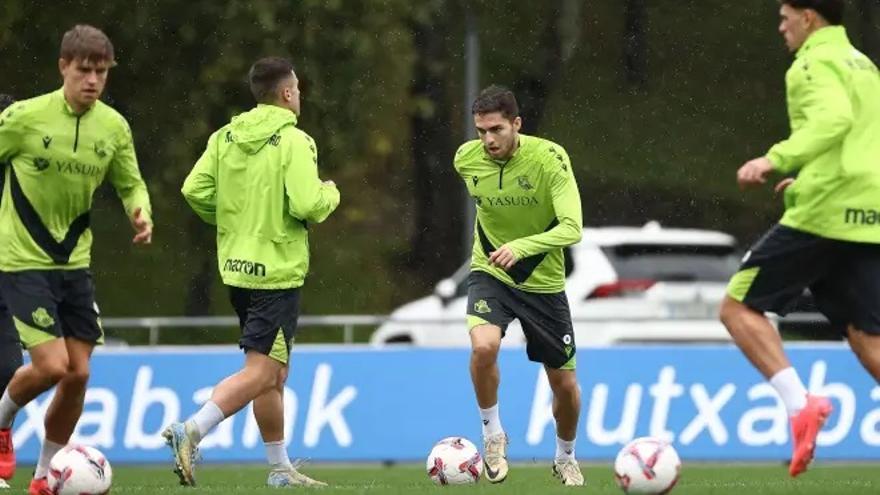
x=290, y=94
x=794, y=26
x=84, y=81
x=499, y=134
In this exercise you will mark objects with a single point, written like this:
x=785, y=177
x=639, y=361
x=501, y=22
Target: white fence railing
x=348, y=323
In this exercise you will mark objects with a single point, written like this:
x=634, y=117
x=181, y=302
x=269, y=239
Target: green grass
x=526, y=479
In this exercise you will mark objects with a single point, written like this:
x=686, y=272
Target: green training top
x=257, y=181
x=833, y=94
x=57, y=160
x=530, y=202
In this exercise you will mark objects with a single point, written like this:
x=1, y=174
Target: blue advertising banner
x=366, y=404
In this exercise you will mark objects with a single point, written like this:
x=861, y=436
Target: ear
x=62, y=65
x=517, y=124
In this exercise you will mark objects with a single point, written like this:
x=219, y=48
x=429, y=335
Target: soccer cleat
x=40, y=486
x=7, y=454
x=495, y=457
x=179, y=437
x=3, y=484
x=805, y=427
x=289, y=476
x=569, y=472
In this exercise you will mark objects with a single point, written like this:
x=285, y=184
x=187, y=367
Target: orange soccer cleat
x=805, y=427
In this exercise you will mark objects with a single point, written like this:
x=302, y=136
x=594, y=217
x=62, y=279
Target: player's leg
x=487, y=317
x=773, y=273
x=264, y=313
x=10, y=360
x=32, y=302
x=546, y=321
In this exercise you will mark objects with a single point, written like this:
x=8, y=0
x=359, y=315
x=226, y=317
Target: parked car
x=625, y=284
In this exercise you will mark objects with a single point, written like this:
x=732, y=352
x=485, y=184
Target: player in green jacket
x=257, y=181
x=528, y=211
x=10, y=346
x=829, y=237
x=60, y=147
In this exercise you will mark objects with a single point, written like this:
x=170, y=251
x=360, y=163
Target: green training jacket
x=530, y=202
x=257, y=181
x=833, y=94
x=57, y=160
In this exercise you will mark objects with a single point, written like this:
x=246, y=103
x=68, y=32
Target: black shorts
x=267, y=318
x=545, y=318
x=844, y=277
x=49, y=304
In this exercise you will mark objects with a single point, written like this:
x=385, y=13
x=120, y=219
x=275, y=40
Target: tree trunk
x=635, y=45
x=436, y=247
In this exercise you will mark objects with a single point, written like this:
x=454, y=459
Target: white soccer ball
x=647, y=465
x=454, y=461
x=79, y=470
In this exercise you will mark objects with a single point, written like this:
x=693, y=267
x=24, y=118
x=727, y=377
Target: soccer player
x=827, y=239
x=257, y=181
x=10, y=347
x=528, y=210
x=60, y=146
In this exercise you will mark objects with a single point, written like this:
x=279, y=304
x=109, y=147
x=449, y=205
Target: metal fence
x=348, y=323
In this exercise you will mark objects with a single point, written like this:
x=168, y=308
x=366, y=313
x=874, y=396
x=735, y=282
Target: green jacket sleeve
x=567, y=206
x=125, y=177
x=10, y=134
x=309, y=199
x=819, y=99
x=200, y=187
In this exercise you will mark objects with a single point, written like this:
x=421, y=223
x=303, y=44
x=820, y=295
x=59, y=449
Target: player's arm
x=125, y=176
x=309, y=199
x=822, y=97
x=567, y=206
x=200, y=187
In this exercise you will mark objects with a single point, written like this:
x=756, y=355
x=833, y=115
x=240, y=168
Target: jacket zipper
x=76, y=139
x=501, y=175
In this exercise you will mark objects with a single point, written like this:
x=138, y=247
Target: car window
x=673, y=262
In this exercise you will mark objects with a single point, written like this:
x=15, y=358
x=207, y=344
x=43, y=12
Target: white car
x=626, y=284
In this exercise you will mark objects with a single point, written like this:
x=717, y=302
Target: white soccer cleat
x=290, y=477
x=495, y=457
x=569, y=472
x=3, y=484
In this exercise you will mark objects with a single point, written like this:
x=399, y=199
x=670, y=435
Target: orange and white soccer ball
x=454, y=461
x=79, y=470
x=647, y=465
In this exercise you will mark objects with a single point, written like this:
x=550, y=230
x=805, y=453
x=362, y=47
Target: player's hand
x=784, y=183
x=329, y=183
x=754, y=172
x=143, y=229
x=503, y=257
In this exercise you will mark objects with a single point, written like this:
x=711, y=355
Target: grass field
x=531, y=479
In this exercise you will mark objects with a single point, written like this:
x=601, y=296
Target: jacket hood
x=251, y=130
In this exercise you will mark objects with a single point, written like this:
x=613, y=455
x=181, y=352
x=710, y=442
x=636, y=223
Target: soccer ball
x=79, y=470
x=647, y=465
x=454, y=461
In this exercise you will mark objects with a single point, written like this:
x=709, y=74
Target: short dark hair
x=266, y=74
x=496, y=99
x=830, y=10
x=84, y=42
x=5, y=101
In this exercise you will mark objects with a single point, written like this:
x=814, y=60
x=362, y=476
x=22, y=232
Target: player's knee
x=77, y=377
x=53, y=372
x=484, y=354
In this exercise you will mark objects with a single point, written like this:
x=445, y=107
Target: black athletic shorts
x=49, y=304
x=844, y=277
x=545, y=318
x=267, y=318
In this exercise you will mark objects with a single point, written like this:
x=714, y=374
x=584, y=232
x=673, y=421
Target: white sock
x=46, y=454
x=276, y=454
x=564, y=449
x=8, y=409
x=491, y=421
x=791, y=389
x=206, y=419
